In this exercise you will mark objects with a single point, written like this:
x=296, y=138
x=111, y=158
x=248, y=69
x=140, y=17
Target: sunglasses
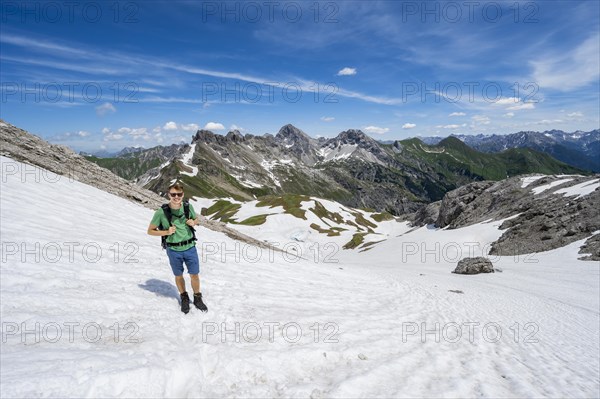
x=176, y=194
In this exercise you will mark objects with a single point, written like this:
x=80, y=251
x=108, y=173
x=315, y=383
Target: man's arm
x=153, y=232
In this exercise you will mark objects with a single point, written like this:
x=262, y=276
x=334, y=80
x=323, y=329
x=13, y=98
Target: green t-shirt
x=183, y=232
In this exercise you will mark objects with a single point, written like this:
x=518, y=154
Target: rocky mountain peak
x=353, y=136
x=204, y=135
x=235, y=136
x=290, y=132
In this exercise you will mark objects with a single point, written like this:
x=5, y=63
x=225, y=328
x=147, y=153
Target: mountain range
x=351, y=168
x=579, y=149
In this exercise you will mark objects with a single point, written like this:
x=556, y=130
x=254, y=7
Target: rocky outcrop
x=464, y=205
x=427, y=214
x=540, y=216
x=591, y=247
x=474, y=266
x=25, y=147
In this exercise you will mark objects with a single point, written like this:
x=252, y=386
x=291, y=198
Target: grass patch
x=291, y=203
x=255, y=220
x=332, y=232
x=356, y=240
x=383, y=216
x=360, y=219
x=223, y=210
x=323, y=214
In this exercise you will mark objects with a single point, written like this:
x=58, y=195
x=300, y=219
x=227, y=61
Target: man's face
x=175, y=196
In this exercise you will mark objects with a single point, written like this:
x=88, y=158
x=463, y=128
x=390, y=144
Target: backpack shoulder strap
x=167, y=211
x=186, y=211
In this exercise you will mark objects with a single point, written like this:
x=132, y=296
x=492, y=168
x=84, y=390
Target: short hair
x=177, y=186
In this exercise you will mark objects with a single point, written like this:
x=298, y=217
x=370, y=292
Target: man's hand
x=171, y=230
x=192, y=222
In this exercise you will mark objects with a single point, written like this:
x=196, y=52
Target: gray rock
x=427, y=214
x=474, y=266
x=592, y=248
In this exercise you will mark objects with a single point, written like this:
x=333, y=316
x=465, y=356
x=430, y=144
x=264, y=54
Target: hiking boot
x=185, y=303
x=198, y=302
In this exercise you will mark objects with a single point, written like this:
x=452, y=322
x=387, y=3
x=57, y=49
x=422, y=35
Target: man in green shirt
x=180, y=244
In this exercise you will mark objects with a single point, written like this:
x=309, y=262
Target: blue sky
x=105, y=75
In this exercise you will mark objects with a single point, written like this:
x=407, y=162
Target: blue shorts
x=189, y=256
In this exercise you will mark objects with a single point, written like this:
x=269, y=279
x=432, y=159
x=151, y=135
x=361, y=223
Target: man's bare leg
x=180, y=282
x=195, y=283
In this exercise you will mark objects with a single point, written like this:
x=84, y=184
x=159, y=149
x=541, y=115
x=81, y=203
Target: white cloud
x=521, y=106
x=548, y=122
x=105, y=130
x=408, y=126
x=376, y=129
x=83, y=133
x=448, y=126
x=327, y=118
x=507, y=101
x=480, y=120
x=509, y=114
x=190, y=127
x=457, y=114
x=112, y=137
x=214, y=126
x=133, y=132
x=236, y=127
x=142, y=131
x=575, y=114
x=347, y=72
x=170, y=126
x=157, y=129
x=571, y=69
x=105, y=108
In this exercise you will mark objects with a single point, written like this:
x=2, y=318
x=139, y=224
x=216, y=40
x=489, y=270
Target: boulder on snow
x=474, y=266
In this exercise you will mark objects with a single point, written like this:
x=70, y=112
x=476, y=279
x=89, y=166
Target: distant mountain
x=98, y=154
x=129, y=150
x=579, y=149
x=352, y=168
x=132, y=162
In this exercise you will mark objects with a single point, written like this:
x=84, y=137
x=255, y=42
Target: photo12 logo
x=269, y=92
x=70, y=92
x=69, y=12
x=269, y=331
x=269, y=11
x=69, y=331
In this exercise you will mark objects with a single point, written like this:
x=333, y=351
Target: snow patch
x=581, y=189
x=545, y=187
x=187, y=161
x=525, y=181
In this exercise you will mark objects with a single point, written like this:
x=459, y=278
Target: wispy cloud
x=122, y=65
x=569, y=70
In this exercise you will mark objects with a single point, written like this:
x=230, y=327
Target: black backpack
x=167, y=211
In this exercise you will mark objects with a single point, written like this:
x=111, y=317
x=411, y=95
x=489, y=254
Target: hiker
x=174, y=223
